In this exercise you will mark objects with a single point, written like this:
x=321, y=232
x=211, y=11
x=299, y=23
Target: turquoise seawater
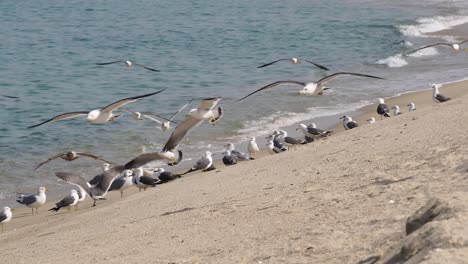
x=203, y=49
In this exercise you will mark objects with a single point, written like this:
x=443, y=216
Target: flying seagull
x=146, y=158
x=6, y=215
x=382, y=108
x=99, y=116
x=454, y=46
x=68, y=201
x=202, y=164
x=69, y=156
x=348, y=122
x=438, y=97
x=98, y=191
x=295, y=61
x=128, y=64
x=193, y=119
x=11, y=97
x=122, y=183
x=396, y=110
x=34, y=200
x=311, y=88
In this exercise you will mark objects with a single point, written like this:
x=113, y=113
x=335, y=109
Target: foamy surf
x=424, y=52
x=432, y=24
x=395, y=61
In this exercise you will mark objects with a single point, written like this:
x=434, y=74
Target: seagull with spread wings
x=69, y=156
x=454, y=46
x=295, y=61
x=99, y=116
x=128, y=64
x=311, y=88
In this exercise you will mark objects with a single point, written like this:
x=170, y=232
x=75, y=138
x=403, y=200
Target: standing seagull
x=252, y=146
x=348, y=122
x=311, y=88
x=122, y=183
x=454, y=46
x=128, y=64
x=295, y=61
x=143, y=182
x=229, y=159
x=438, y=97
x=288, y=141
x=98, y=191
x=69, y=156
x=33, y=201
x=312, y=131
x=69, y=201
x=194, y=119
x=99, y=116
x=382, y=108
x=239, y=155
x=202, y=164
x=166, y=176
x=396, y=110
x=6, y=215
x=411, y=109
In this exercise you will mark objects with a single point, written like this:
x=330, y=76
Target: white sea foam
x=395, y=61
x=424, y=52
x=432, y=24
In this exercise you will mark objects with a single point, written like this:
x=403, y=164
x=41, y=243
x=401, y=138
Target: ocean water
x=203, y=49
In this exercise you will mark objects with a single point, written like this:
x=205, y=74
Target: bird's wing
x=49, y=159
x=352, y=124
x=442, y=98
x=125, y=101
x=148, y=180
x=74, y=180
x=148, y=68
x=9, y=96
x=180, y=132
x=143, y=159
x=150, y=117
x=332, y=76
x=30, y=199
x=209, y=103
x=201, y=164
x=463, y=42
x=2, y=216
x=218, y=114
x=107, y=178
x=62, y=116
x=117, y=184
x=180, y=109
x=154, y=116
x=429, y=46
x=271, y=85
x=66, y=201
x=107, y=63
x=273, y=62
x=317, y=65
x=93, y=157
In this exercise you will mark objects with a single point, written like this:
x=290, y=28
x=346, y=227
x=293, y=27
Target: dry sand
x=339, y=200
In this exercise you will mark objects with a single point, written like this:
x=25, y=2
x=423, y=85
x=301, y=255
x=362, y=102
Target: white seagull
x=411, y=109
x=122, y=183
x=68, y=201
x=193, y=119
x=34, y=200
x=454, y=46
x=396, y=110
x=99, y=116
x=311, y=88
x=141, y=181
x=252, y=146
x=6, y=215
x=128, y=64
x=348, y=122
x=203, y=164
x=438, y=97
x=371, y=120
x=295, y=61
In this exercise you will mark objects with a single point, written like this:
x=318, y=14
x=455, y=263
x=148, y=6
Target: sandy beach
x=340, y=200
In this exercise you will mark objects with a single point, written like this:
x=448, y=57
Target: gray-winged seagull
x=382, y=108
x=348, y=122
x=6, y=215
x=295, y=61
x=68, y=201
x=128, y=64
x=34, y=200
x=202, y=164
x=454, y=46
x=122, y=183
x=438, y=97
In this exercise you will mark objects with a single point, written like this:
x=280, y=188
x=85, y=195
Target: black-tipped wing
x=143, y=159
x=180, y=109
x=463, y=42
x=93, y=157
x=125, y=101
x=382, y=109
x=148, y=180
x=317, y=65
x=209, y=103
x=9, y=96
x=27, y=200
x=442, y=98
x=117, y=184
x=153, y=117
x=429, y=46
x=352, y=124
x=106, y=180
x=49, y=159
x=180, y=132
x=2, y=217
x=271, y=85
x=62, y=116
x=66, y=201
x=74, y=180
x=217, y=115
x=293, y=141
x=112, y=62
x=273, y=62
x=146, y=67
x=338, y=74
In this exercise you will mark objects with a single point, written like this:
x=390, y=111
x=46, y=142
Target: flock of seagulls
x=121, y=177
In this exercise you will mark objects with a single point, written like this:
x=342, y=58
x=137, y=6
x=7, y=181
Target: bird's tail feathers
x=55, y=209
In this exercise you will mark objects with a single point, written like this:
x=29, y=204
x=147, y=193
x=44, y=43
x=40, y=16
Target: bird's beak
x=12, y=209
x=46, y=189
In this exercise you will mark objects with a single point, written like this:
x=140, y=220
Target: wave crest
x=432, y=24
